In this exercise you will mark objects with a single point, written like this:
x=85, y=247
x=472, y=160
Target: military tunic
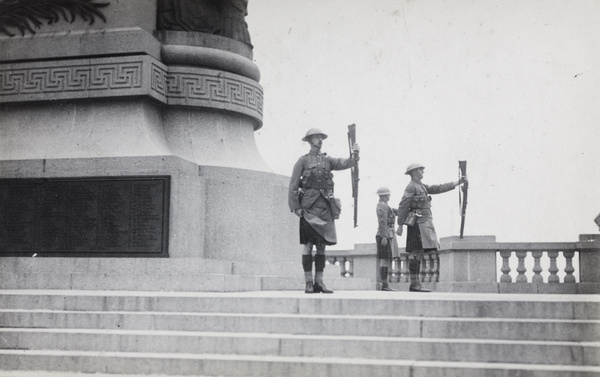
x=311, y=189
x=416, y=198
x=386, y=219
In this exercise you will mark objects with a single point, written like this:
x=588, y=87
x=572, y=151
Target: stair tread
x=304, y=316
x=301, y=359
x=346, y=295
x=36, y=373
x=294, y=336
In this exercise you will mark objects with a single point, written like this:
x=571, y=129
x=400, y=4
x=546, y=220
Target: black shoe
x=418, y=288
x=309, y=287
x=386, y=287
x=321, y=288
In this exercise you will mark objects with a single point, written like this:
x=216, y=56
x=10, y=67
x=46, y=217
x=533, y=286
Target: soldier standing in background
x=414, y=211
x=386, y=219
x=311, y=199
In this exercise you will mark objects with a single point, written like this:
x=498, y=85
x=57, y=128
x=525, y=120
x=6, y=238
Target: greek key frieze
x=158, y=80
x=193, y=86
x=70, y=79
x=131, y=76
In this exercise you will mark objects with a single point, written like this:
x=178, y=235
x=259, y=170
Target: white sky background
x=512, y=87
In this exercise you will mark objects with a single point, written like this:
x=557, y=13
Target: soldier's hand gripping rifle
x=354, y=169
x=462, y=171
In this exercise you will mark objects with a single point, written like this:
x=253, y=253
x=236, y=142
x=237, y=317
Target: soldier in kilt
x=311, y=199
x=414, y=211
x=385, y=237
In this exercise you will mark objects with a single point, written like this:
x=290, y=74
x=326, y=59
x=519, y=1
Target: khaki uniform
x=311, y=189
x=386, y=220
x=416, y=198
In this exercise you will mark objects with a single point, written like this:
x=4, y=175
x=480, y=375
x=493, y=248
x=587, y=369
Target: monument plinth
x=130, y=92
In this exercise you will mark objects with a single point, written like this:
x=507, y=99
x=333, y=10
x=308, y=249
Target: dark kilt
x=383, y=252
x=413, y=239
x=309, y=235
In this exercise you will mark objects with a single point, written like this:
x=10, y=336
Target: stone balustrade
x=480, y=264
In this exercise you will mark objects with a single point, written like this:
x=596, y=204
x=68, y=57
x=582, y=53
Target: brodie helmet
x=314, y=131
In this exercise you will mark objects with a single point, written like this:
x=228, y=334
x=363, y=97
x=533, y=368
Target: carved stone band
x=210, y=58
x=131, y=76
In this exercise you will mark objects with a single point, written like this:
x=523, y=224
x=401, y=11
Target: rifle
x=354, y=170
x=462, y=171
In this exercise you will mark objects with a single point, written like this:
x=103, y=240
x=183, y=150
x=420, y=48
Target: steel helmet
x=383, y=191
x=314, y=131
x=413, y=166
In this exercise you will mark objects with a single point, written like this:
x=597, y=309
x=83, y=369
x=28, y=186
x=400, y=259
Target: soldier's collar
x=315, y=152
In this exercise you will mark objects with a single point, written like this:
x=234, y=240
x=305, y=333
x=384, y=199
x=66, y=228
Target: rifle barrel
x=354, y=171
x=462, y=166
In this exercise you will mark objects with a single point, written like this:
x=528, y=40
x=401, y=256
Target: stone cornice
x=130, y=76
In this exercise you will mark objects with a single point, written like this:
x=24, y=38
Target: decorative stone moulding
x=131, y=76
x=210, y=58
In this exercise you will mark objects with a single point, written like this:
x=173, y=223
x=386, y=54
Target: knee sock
x=307, y=262
x=319, y=267
x=383, y=272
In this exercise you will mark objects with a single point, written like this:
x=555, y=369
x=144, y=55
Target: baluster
x=521, y=278
x=330, y=260
x=429, y=268
x=405, y=271
x=553, y=278
x=395, y=271
x=342, y=264
x=349, y=266
x=569, y=269
x=505, y=278
x=435, y=258
x=335, y=262
x=537, y=268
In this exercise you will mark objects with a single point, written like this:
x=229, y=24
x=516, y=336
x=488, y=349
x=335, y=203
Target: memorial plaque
x=96, y=217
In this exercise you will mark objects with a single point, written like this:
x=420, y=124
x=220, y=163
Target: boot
x=309, y=287
x=319, y=267
x=414, y=267
x=385, y=286
x=307, y=262
x=321, y=288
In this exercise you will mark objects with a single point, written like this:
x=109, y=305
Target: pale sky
x=509, y=86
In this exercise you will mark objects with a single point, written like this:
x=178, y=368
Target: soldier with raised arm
x=311, y=199
x=414, y=211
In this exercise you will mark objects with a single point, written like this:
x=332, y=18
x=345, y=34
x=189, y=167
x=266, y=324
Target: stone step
x=115, y=266
x=25, y=373
x=286, y=344
x=366, y=303
x=260, y=366
x=148, y=266
x=163, y=274
x=172, y=282
x=327, y=324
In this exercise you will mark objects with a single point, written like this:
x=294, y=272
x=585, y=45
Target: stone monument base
x=213, y=212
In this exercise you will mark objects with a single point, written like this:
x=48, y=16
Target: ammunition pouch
x=411, y=218
x=421, y=202
x=336, y=207
x=311, y=179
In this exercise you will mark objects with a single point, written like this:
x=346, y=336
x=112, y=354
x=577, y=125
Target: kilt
x=317, y=225
x=415, y=239
x=384, y=252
